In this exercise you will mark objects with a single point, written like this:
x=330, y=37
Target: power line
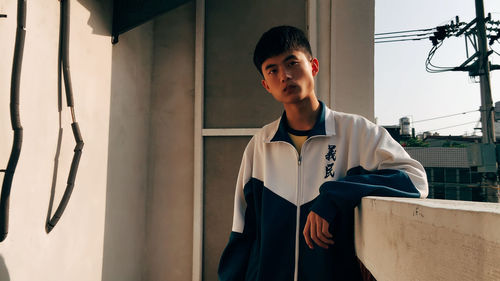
x=453, y=126
x=401, y=36
x=494, y=51
x=445, y=116
x=404, y=35
x=431, y=68
x=401, y=40
x=406, y=31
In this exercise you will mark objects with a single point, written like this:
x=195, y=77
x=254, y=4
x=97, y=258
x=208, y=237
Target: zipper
x=298, y=196
x=297, y=227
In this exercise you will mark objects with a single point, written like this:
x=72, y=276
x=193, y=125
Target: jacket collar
x=324, y=126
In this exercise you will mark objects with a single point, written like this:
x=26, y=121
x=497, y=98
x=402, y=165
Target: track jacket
x=344, y=158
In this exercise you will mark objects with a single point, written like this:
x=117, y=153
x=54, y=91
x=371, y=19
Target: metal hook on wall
x=15, y=119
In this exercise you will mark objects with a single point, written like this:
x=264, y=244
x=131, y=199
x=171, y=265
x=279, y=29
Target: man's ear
x=264, y=84
x=314, y=66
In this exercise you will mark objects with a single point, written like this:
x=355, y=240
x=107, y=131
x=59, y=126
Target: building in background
x=452, y=175
x=454, y=164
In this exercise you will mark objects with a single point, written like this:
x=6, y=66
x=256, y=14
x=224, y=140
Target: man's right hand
x=316, y=230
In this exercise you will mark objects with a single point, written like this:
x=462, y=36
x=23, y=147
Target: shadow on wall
x=126, y=191
x=4, y=273
x=101, y=15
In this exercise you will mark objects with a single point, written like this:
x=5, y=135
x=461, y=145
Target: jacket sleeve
x=379, y=166
x=235, y=257
x=345, y=194
x=377, y=150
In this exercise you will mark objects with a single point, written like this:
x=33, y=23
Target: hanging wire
x=401, y=36
x=402, y=40
x=449, y=127
x=405, y=31
x=404, y=35
x=445, y=116
x=417, y=34
x=15, y=119
x=431, y=68
x=494, y=51
x=64, y=65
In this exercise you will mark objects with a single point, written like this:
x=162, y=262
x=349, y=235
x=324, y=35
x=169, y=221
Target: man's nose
x=285, y=75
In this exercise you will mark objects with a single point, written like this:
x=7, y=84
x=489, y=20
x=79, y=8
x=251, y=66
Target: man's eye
x=293, y=63
x=272, y=71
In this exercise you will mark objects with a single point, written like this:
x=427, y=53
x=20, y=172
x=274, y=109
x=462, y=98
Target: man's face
x=289, y=77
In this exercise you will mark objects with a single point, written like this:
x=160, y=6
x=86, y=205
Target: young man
x=302, y=175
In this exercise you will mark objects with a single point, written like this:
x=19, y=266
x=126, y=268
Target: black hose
x=71, y=178
x=15, y=119
x=64, y=64
x=65, y=51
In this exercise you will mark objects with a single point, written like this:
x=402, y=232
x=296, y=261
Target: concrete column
x=352, y=56
x=170, y=197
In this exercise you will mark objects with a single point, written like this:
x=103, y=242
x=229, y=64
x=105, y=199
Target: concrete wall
x=341, y=32
x=124, y=249
x=353, y=26
x=234, y=98
x=412, y=239
x=131, y=213
x=170, y=198
x=101, y=234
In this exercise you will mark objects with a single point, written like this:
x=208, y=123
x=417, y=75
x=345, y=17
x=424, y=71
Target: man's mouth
x=289, y=87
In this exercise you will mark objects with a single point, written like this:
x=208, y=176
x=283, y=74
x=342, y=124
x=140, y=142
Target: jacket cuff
x=325, y=208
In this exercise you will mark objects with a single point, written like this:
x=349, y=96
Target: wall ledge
x=428, y=239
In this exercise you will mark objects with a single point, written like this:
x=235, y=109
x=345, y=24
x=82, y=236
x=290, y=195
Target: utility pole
x=488, y=148
x=487, y=120
x=481, y=155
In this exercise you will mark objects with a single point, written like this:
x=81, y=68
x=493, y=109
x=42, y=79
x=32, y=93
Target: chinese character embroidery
x=330, y=156
x=332, y=153
x=329, y=171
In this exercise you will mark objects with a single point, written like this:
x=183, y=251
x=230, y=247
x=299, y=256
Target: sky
x=402, y=85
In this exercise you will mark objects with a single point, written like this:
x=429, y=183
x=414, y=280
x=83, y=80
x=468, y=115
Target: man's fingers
x=316, y=229
x=320, y=226
x=325, y=230
x=317, y=240
x=307, y=234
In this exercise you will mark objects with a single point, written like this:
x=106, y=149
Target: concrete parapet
x=427, y=239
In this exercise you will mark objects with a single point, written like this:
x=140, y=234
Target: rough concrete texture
x=414, y=239
x=170, y=197
x=352, y=57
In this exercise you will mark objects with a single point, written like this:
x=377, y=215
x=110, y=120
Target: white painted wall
x=73, y=249
x=124, y=249
x=111, y=87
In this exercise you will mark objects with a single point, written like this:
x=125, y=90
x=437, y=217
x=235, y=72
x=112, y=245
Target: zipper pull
x=300, y=159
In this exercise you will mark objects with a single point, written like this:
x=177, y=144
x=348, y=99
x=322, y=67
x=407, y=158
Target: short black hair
x=278, y=40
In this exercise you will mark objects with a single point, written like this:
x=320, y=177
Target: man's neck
x=302, y=116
